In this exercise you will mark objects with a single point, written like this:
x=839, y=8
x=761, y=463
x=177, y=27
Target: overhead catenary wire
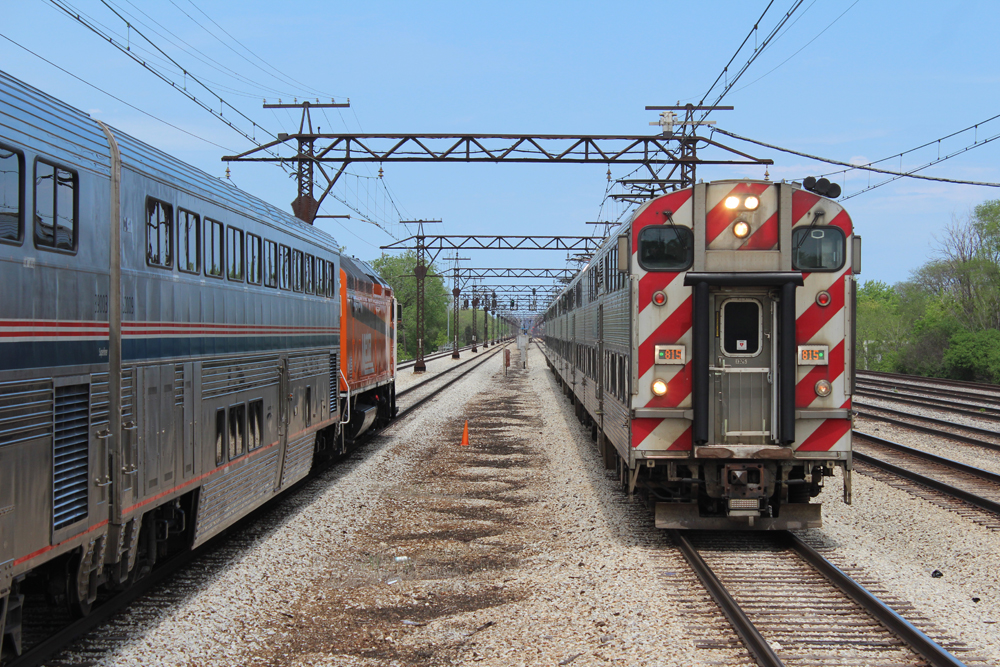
x=867, y=167
x=115, y=97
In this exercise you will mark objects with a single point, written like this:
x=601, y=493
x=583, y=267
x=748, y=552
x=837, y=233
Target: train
x=173, y=354
x=710, y=346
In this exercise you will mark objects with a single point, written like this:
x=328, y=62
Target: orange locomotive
x=368, y=320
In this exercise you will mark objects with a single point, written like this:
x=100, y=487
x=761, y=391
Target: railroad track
x=447, y=353
x=959, y=386
x=949, y=484
x=942, y=428
x=791, y=606
x=42, y=644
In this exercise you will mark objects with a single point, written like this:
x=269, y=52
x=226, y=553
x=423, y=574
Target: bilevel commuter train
x=173, y=353
x=710, y=347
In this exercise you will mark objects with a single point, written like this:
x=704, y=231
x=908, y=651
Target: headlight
x=732, y=202
x=751, y=202
x=741, y=230
x=659, y=387
x=823, y=388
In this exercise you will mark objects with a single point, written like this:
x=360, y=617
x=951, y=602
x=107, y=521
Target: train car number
x=814, y=355
x=669, y=354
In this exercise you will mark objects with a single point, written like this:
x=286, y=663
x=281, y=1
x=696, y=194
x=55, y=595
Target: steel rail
x=937, y=485
x=488, y=353
x=930, y=650
x=928, y=403
x=933, y=458
x=972, y=396
x=982, y=386
x=931, y=430
x=755, y=642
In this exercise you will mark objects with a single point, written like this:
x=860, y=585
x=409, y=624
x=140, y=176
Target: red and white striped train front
x=742, y=303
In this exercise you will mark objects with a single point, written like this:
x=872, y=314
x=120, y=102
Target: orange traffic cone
x=465, y=434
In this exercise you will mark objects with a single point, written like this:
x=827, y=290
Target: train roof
x=69, y=134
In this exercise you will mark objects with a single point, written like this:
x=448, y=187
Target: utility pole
x=420, y=271
x=305, y=205
x=475, y=307
x=456, y=290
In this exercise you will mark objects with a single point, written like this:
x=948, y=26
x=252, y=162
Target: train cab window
x=237, y=430
x=255, y=424
x=297, y=270
x=234, y=253
x=270, y=263
x=188, y=241
x=741, y=323
x=55, y=207
x=159, y=233
x=220, y=436
x=11, y=186
x=253, y=259
x=666, y=248
x=818, y=248
x=214, y=249
x=308, y=267
x=285, y=262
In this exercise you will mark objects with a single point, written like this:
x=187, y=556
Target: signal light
x=659, y=387
x=821, y=186
x=823, y=299
x=659, y=297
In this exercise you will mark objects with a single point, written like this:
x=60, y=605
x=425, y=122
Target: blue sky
x=852, y=81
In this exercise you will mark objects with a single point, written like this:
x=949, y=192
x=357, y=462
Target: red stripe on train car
x=652, y=282
x=805, y=391
x=718, y=219
x=826, y=436
x=683, y=442
x=816, y=316
x=642, y=427
x=765, y=238
x=802, y=202
x=653, y=215
x=676, y=325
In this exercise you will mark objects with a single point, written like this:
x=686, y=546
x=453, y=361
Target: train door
x=601, y=366
x=158, y=417
x=743, y=370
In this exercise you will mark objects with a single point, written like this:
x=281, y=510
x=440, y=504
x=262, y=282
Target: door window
x=741, y=327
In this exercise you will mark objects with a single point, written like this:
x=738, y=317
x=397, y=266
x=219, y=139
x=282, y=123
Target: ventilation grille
x=305, y=366
x=71, y=458
x=25, y=411
x=179, y=384
x=128, y=394
x=334, y=384
x=219, y=378
x=99, y=400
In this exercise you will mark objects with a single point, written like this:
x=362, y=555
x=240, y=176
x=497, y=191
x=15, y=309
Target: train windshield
x=666, y=248
x=818, y=248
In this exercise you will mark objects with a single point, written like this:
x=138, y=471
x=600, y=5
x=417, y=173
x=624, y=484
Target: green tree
x=881, y=327
x=398, y=271
x=974, y=356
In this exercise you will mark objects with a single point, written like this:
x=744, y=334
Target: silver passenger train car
x=710, y=347
x=170, y=354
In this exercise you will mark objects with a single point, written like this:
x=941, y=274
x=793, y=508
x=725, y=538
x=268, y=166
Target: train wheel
x=80, y=600
x=593, y=430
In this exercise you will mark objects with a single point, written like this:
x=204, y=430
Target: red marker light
x=659, y=298
x=823, y=298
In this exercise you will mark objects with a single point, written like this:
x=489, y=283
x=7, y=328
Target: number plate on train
x=670, y=354
x=814, y=355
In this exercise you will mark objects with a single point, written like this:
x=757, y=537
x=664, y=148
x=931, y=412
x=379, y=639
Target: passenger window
x=220, y=436
x=159, y=233
x=741, y=327
x=307, y=273
x=253, y=259
x=285, y=257
x=666, y=248
x=818, y=248
x=270, y=263
x=188, y=241
x=55, y=207
x=234, y=253
x=11, y=185
x=332, y=292
x=297, y=270
x=213, y=248
x=237, y=430
x=321, y=286
x=255, y=425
